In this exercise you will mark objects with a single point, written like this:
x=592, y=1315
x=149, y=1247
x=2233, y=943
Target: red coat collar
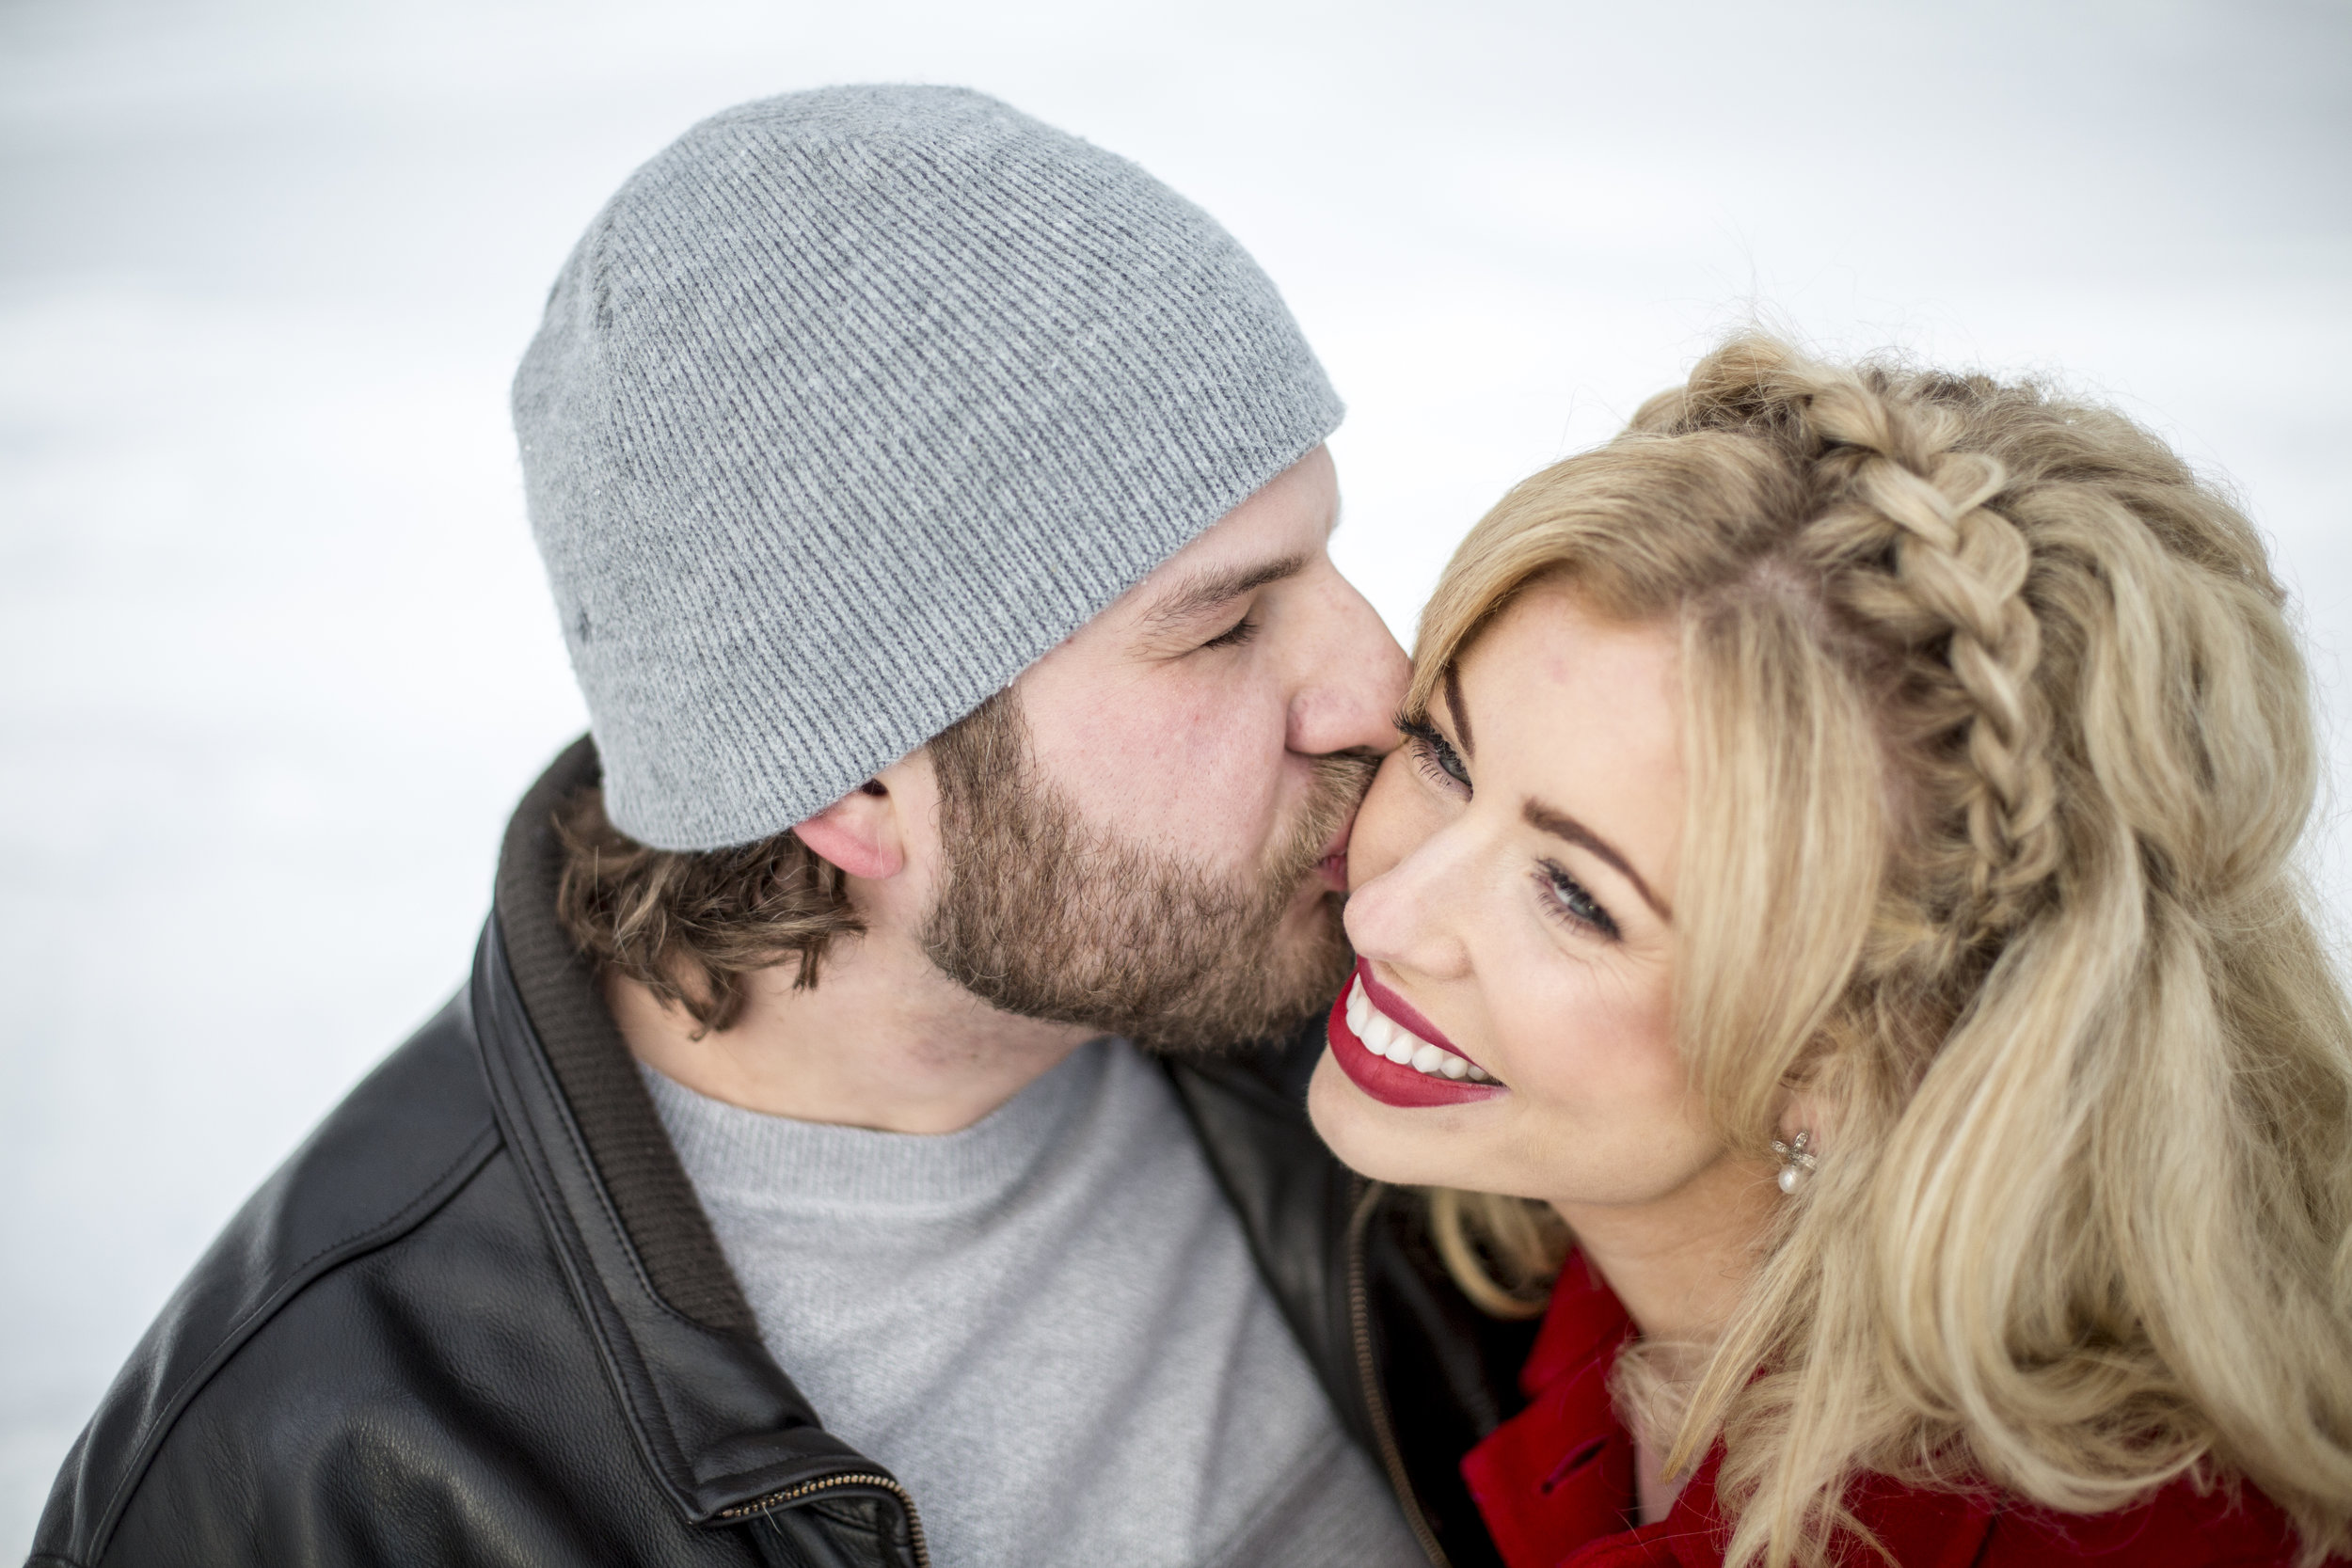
x=1555, y=1485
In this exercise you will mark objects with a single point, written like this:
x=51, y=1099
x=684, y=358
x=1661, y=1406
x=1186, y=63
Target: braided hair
x=2001, y=749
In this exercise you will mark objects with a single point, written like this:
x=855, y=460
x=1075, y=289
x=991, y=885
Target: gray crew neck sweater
x=1048, y=1326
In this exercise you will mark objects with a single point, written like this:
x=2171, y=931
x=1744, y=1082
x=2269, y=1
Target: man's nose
x=1354, y=677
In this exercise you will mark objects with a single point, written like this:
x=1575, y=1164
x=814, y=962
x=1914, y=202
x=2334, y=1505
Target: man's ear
x=859, y=833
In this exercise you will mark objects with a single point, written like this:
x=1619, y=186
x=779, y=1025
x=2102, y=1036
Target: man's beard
x=1042, y=915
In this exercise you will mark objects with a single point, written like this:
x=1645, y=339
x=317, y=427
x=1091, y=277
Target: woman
x=1837, y=890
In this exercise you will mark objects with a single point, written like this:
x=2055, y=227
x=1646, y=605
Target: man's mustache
x=1341, y=780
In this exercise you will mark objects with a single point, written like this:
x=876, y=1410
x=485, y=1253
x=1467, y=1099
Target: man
x=935, y=508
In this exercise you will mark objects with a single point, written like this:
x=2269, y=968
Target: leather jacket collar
x=721, y=1424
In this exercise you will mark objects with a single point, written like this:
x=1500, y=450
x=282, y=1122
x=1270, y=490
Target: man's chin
x=1134, y=943
x=1309, y=951
x=1189, y=1045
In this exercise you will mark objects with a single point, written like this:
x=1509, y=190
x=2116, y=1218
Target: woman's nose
x=1409, y=916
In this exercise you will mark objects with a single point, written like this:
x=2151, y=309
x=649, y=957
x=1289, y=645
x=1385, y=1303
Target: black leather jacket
x=480, y=1318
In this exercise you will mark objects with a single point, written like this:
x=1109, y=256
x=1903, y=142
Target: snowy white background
x=274, y=659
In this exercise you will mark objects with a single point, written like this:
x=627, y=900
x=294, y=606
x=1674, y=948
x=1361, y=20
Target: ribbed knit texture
x=1048, y=1326
x=854, y=402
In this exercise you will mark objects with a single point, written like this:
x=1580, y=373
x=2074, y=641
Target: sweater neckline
x=770, y=1164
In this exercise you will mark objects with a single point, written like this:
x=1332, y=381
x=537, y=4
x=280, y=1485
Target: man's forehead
x=1270, y=536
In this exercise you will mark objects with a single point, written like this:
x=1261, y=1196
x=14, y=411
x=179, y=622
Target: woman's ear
x=859, y=833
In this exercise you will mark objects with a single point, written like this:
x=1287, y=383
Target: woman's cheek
x=1393, y=818
x=1592, y=1062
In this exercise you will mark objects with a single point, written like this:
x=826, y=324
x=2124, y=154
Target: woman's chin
x=1406, y=1147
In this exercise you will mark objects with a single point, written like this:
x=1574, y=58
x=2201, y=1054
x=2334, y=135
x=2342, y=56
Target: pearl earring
x=1796, y=1161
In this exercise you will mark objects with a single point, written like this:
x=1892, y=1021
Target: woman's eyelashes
x=1439, y=760
x=1564, y=898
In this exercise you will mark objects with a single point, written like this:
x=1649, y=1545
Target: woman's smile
x=1398, y=1062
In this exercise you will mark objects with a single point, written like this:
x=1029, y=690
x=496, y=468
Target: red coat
x=1555, y=1483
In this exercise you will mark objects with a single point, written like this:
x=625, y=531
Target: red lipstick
x=1393, y=1083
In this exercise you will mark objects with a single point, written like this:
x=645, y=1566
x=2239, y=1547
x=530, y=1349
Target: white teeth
x=1384, y=1036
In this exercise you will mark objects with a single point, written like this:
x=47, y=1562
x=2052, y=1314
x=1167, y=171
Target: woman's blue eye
x=1566, y=898
x=1437, y=754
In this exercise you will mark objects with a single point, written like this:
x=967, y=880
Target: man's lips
x=1332, y=868
x=1395, y=1083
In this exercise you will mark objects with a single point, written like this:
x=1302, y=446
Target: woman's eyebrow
x=1559, y=824
x=1453, y=680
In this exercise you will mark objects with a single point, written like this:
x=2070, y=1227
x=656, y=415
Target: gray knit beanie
x=850, y=406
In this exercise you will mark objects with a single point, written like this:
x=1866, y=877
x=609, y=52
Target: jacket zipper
x=1375, y=1401
x=807, y=1489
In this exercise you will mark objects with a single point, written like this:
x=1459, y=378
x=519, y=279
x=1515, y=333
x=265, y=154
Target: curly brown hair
x=690, y=925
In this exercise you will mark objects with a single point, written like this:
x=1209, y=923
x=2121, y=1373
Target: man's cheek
x=1175, y=742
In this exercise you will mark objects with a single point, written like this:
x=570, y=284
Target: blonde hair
x=2000, y=749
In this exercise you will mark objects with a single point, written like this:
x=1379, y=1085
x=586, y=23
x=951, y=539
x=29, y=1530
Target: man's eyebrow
x=1215, y=586
x=1559, y=824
